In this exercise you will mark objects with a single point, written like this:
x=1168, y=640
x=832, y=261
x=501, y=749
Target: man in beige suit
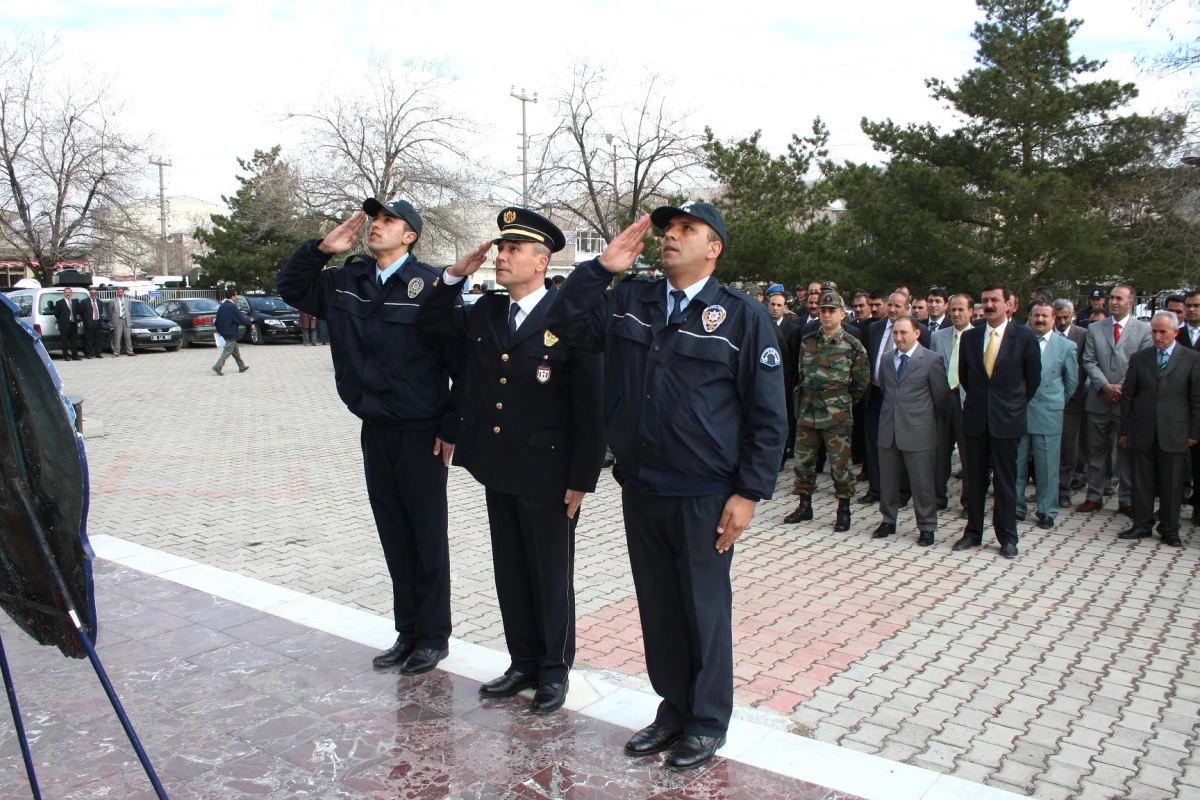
x=1106, y=351
x=915, y=395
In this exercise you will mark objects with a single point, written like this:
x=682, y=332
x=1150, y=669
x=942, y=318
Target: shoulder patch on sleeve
x=770, y=358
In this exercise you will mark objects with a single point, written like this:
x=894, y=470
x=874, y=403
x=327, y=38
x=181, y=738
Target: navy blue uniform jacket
x=388, y=371
x=229, y=316
x=691, y=411
x=532, y=424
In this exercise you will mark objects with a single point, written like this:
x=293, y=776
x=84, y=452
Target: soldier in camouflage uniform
x=833, y=375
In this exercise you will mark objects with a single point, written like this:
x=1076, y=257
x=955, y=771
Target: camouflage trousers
x=837, y=449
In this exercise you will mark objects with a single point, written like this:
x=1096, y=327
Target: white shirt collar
x=1122, y=322
x=1170, y=349
x=909, y=352
x=528, y=303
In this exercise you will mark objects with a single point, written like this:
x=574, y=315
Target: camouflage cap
x=830, y=297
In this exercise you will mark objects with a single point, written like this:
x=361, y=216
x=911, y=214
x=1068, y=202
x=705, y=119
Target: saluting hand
x=734, y=519
x=341, y=238
x=625, y=247
x=572, y=500
x=471, y=262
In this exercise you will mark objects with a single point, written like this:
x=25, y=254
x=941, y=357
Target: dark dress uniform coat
x=532, y=428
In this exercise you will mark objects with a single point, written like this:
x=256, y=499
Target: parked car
x=36, y=308
x=147, y=329
x=271, y=318
x=196, y=316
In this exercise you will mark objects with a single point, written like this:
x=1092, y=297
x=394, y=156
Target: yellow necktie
x=952, y=373
x=989, y=353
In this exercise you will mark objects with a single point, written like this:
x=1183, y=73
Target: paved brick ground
x=1070, y=672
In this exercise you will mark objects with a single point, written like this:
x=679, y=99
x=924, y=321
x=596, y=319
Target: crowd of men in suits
x=79, y=319
x=1091, y=399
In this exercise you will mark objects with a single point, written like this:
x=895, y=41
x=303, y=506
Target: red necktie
x=95, y=311
x=1116, y=333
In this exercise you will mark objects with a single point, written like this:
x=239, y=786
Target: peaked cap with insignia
x=522, y=225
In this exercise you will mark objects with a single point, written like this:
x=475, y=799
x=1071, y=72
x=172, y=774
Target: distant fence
x=156, y=296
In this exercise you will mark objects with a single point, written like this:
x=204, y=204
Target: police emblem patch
x=510, y=217
x=770, y=358
x=712, y=318
x=414, y=287
x=549, y=339
x=543, y=374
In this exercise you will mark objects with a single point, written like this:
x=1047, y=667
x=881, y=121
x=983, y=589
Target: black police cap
x=522, y=225
x=396, y=208
x=705, y=212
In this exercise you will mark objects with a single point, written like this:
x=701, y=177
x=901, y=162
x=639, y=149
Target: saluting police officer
x=533, y=434
x=395, y=377
x=693, y=389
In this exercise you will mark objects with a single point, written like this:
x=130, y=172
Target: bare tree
x=65, y=162
x=395, y=137
x=608, y=156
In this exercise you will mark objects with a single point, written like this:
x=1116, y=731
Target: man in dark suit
x=533, y=435
x=947, y=343
x=89, y=311
x=1160, y=419
x=777, y=308
x=1189, y=336
x=880, y=344
x=1000, y=369
x=67, y=317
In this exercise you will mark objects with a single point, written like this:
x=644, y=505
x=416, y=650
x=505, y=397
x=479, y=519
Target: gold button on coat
x=504, y=357
x=496, y=429
x=499, y=406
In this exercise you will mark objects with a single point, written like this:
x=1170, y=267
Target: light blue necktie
x=1162, y=362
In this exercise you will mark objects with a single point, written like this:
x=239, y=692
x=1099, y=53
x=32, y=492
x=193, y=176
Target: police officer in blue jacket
x=695, y=413
x=396, y=378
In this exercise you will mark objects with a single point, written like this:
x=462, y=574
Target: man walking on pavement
x=396, y=378
x=229, y=317
x=695, y=413
x=533, y=435
x=832, y=374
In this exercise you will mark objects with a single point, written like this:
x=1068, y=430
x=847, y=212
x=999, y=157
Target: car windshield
x=139, y=309
x=268, y=304
x=201, y=304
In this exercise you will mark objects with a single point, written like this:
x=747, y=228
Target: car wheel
x=183, y=342
x=177, y=347
x=256, y=336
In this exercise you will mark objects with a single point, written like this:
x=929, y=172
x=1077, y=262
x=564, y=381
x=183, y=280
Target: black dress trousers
x=533, y=554
x=406, y=485
x=681, y=582
x=1001, y=456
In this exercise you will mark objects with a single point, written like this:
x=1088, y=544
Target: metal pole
x=524, y=143
x=162, y=214
x=19, y=725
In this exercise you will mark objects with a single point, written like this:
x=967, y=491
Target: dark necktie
x=933, y=326
x=512, y=320
x=903, y=364
x=379, y=281
x=1162, y=362
x=680, y=299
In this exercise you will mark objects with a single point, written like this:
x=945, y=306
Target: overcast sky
x=210, y=80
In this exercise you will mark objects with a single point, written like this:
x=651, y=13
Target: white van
x=36, y=309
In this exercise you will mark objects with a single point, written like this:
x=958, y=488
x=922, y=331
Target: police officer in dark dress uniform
x=533, y=434
x=693, y=392
x=396, y=378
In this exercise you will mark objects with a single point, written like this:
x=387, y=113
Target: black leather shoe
x=1021, y=517
x=966, y=543
x=842, y=523
x=883, y=531
x=1172, y=540
x=650, y=740
x=925, y=539
x=423, y=660
x=803, y=512
x=693, y=751
x=396, y=654
x=1064, y=500
x=507, y=685
x=1008, y=550
x=869, y=497
x=1045, y=522
x=549, y=697
x=943, y=505
x=1133, y=533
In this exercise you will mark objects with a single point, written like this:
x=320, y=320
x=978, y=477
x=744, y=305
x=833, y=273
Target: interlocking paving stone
x=1083, y=640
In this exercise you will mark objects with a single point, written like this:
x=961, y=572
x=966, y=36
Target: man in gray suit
x=1106, y=351
x=951, y=432
x=1072, y=461
x=1044, y=415
x=118, y=315
x=915, y=396
x=1160, y=420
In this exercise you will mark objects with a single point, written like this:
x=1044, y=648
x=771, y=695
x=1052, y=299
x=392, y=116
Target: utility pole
x=162, y=214
x=616, y=191
x=524, y=143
